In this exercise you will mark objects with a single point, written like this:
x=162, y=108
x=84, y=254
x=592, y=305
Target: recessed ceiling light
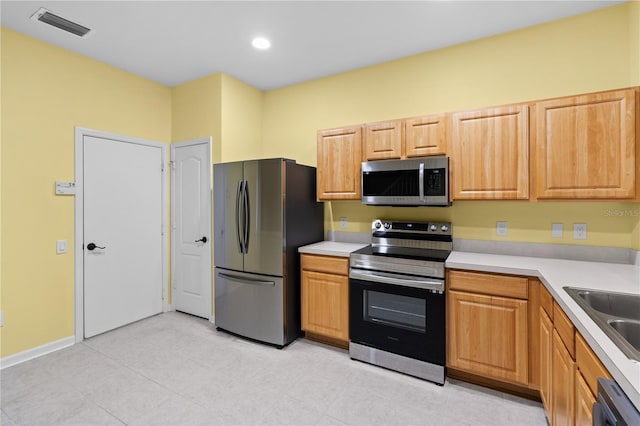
x=261, y=43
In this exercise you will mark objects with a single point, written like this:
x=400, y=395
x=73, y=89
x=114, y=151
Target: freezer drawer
x=250, y=305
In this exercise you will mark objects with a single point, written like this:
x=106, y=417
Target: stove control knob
x=444, y=228
x=387, y=225
x=433, y=228
x=377, y=225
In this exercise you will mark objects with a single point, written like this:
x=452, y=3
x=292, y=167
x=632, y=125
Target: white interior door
x=191, y=227
x=122, y=193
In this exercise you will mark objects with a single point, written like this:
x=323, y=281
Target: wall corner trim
x=36, y=352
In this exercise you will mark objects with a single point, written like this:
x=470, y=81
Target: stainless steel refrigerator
x=264, y=210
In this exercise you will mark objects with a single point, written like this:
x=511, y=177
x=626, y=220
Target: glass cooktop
x=434, y=255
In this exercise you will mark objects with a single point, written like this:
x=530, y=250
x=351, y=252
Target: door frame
x=80, y=133
x=208, y=140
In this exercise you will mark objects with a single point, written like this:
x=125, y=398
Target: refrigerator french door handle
x=239, y=215
x=250, y=281
x=247, y=213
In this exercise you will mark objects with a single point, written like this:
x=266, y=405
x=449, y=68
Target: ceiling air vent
x=48, y=17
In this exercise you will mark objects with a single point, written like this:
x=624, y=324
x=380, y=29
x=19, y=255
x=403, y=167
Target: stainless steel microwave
x=414, y=182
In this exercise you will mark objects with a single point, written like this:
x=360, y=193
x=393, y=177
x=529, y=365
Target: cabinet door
x=490, y=154
x=383, y=140
x=325, y=304
x=585, y=146
x=562, y=384
x=487, y=335
x=546, y=339
x=425, y=135
x=339, y=164
x=589, y=364
x=584, y=402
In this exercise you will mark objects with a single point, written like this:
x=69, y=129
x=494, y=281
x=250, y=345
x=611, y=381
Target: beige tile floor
x=174, y=369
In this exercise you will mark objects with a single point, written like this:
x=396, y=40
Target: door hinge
x=162, y=167
x=172, y=164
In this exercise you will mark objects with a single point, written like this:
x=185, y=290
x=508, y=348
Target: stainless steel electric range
x=397, y=298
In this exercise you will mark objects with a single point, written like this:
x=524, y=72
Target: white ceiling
x=173, y=42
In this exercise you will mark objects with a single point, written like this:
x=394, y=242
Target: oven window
x=395, y=310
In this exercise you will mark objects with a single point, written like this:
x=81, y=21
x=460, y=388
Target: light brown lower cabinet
x=499, y=324
x=325, y=298
x=563, y=373
x=569, y=369
x=490, y=337
x=584, y=402
x=546, y=344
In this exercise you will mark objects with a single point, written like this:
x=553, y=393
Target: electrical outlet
x=501, y=229
x=556, y=230
x=579, y=231
x=343, y=222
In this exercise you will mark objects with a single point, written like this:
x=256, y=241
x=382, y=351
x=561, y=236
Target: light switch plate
x=556, y=230
x=61, y=246
x=501, y=229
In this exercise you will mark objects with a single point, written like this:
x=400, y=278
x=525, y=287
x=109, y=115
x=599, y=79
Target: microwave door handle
x=421, y=181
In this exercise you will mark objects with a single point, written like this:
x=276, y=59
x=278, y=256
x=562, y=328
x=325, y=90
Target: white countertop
x=331, y=248
x=556, y=274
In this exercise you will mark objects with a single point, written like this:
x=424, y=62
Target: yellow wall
x=196, y=111
x=589, y=52
x=46, y=91
x=241, y=120
x=222, y=107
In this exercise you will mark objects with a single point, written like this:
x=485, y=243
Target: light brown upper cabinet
x=490, y=154
x=339, y=162
x=411, y=137
x=383, y=140
x=425, y=135
x=585, y=146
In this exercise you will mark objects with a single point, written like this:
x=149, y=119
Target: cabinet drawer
x=589, y=364
x=565, y=329
x=328, y=264
x=493, y=284
x=546, y=300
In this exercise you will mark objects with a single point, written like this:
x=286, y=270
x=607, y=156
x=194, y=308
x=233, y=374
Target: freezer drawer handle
x=246, y=280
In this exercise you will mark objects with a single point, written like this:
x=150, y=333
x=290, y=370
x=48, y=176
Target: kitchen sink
x=615, y=304
x=630, y=330
x=617, y=315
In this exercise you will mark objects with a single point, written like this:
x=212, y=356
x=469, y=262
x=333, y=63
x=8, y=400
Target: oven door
x=404, y=320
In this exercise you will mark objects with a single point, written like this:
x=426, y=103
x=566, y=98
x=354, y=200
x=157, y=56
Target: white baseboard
x=168, y=308
x=36, y=352
x=212, y=319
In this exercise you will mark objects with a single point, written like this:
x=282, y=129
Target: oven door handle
x=395, y=279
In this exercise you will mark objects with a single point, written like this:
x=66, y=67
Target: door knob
x=202, y=240
x=92, y=246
